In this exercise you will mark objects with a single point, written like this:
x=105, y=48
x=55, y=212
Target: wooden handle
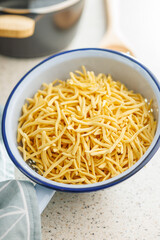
x=16, y=26
x=112, y=38
x=112, y=14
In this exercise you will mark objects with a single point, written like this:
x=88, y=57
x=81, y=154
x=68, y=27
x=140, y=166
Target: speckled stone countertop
x=127, y=211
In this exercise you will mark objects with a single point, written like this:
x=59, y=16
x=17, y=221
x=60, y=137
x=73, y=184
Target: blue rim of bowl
x=88, y=189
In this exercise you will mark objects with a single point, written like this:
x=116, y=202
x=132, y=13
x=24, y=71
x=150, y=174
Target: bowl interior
x=121, y=67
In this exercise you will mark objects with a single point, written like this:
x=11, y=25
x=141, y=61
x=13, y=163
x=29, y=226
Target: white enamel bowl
x=122, y=67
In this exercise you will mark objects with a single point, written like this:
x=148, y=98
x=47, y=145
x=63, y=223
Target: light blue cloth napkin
x=19, y=212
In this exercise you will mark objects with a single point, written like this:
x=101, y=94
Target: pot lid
x=34, y=6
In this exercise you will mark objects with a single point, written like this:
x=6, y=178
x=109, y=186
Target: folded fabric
x=19, y=213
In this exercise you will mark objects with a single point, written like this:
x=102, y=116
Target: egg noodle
x=84, y=130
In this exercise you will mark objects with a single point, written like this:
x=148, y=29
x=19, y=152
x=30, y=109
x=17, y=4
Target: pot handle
x=44, y=195
x=16, y=26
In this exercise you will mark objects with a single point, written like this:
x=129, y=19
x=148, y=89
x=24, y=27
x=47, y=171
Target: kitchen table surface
x=131, y=209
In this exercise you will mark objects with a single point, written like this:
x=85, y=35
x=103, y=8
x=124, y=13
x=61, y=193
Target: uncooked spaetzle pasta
x=84, y=130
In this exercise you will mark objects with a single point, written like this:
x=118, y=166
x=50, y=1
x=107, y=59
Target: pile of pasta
x=84, y=130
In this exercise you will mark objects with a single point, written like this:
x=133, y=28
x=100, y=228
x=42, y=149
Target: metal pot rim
x=41, y=10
